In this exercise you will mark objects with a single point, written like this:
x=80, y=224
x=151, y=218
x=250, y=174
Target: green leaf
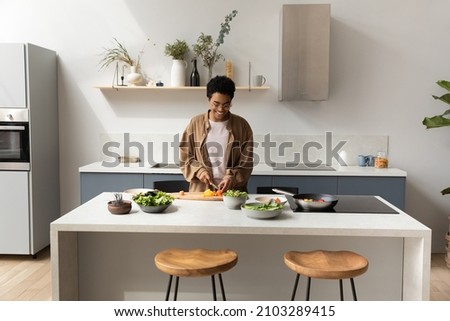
x=435, y=122
x=444, y=84
x=445, y=98
x=445, y=191
x=235, y=193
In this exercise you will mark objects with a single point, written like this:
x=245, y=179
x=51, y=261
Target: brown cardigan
x=194, y=158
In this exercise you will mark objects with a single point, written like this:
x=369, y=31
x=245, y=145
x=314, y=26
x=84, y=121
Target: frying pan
x=310, y=202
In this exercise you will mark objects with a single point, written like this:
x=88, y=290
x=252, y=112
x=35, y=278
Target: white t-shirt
x=216, y=143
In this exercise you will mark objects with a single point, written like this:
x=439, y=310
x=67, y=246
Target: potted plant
x=119, y=205
x=119, y=53
x=177, y=51
x=440, y=120
x=206, y=48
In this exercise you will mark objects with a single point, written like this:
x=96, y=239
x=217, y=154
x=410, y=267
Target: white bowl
x=266, y=199
x=234, y=203
x=260, y=214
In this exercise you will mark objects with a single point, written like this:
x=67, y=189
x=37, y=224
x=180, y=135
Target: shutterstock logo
x=268, y=151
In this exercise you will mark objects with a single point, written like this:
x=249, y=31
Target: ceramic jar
x=134, y=78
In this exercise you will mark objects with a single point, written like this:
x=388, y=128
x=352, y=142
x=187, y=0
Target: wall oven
x=14, y=139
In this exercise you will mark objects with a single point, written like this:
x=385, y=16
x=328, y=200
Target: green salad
x=262, y=206
x=235, y=193
x=153, y=198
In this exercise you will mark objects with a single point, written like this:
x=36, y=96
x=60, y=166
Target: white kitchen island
x=99, y=256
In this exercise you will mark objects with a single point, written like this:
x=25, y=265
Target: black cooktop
x=362, y=204
x=166, y=165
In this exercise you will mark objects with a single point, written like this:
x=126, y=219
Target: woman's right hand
x=205, y=178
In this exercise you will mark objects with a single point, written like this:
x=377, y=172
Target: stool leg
x=221, y=287
x=308, y=289
x=294, y=291
x=341, y=290
x=177, y=279
x=353, y=289
x=213, y=282
x=168, y=287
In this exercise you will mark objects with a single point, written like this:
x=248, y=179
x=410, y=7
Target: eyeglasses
x=226, y=105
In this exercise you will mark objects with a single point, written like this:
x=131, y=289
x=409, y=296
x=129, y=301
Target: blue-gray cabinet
x=309, y=184
x=92, y=184
x=391, y=189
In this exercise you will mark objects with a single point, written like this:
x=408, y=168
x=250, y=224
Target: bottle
x=195, y=76
x=229, y=69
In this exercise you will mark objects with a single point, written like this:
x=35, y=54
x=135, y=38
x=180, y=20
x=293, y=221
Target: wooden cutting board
x=196, y=196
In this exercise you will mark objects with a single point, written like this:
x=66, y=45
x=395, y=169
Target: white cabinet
x=305, y=47
x=12, y=76
x=14, y=215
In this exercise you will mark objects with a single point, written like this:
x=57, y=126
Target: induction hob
x=166, y=165
x=361, y=204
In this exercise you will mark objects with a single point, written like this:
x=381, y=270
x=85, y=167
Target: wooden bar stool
x=195, y=263
x=334, y=265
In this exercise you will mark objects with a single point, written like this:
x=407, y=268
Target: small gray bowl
x=154, y=209
x=234, y=203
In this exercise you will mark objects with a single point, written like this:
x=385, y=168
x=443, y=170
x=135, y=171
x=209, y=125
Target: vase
x=134, y=77
x=178, y=73
x=210, y=72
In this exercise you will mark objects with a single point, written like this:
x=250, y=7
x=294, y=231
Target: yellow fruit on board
x=208, y=193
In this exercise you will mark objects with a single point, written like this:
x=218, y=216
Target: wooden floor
x=25, y=278
x=440, y=278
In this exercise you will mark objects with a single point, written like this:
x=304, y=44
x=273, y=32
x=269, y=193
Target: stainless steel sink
x=165, y=165
x=301, y=167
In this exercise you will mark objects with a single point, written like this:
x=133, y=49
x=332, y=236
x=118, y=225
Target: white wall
x=385, y=58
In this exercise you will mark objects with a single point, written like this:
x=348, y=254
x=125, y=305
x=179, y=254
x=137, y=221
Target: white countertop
x=261, y=169
x=212, y=217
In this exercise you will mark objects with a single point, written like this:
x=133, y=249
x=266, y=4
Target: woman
x=217, y=146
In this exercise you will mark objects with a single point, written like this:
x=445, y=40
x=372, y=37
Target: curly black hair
x=220, y=84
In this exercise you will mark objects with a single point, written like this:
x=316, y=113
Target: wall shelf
x=117, y=88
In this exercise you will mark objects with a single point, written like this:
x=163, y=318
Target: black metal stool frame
x=308, y=288
x=213, y=283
